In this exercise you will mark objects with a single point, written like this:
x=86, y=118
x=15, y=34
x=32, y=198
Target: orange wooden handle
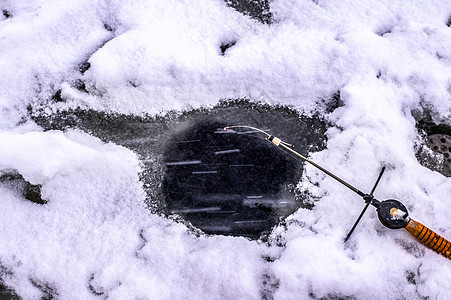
x=429, y=238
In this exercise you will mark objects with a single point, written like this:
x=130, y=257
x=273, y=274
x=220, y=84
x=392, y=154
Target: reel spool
x=393, y=214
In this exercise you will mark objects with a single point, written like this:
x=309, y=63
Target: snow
x=95, y=235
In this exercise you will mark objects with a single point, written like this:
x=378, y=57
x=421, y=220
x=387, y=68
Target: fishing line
x=391, y=213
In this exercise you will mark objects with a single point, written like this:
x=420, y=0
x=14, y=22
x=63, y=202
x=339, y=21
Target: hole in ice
x=222, y=183
x=235, y=182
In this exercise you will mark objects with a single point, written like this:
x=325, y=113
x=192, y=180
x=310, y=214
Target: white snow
x=95, y=235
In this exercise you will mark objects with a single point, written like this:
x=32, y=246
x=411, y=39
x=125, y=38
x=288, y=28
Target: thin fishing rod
x=278, y=142
x=391, y=213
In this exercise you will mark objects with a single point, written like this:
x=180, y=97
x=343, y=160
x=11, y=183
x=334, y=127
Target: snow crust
x=96, y=237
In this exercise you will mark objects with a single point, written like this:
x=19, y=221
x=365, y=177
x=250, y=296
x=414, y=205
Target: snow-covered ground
x=95, y=237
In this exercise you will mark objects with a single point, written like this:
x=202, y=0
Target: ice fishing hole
x=236, y=183
x=219, y=183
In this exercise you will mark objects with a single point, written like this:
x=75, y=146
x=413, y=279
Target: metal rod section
x=369, y=199
x=377, y=181
x=278, y=142
x=360, y=193
x=358, y=220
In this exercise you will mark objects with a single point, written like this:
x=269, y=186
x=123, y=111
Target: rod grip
x=429, y=238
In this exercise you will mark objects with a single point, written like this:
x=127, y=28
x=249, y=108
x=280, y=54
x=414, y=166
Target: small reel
x=393, y=214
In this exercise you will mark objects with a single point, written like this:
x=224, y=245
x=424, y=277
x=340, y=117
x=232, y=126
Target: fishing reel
x=393, y=214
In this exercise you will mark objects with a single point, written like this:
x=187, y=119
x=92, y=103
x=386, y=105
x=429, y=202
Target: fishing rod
x=391, y=213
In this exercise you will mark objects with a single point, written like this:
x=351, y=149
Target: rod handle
x=429, y=238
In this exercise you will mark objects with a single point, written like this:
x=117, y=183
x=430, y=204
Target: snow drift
x=95, y=237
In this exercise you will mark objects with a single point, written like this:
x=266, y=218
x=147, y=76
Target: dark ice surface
x=222, y=182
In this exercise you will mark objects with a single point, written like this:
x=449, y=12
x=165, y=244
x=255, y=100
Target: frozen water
x=96, y=237
x=220, y=178
x=180, y=155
